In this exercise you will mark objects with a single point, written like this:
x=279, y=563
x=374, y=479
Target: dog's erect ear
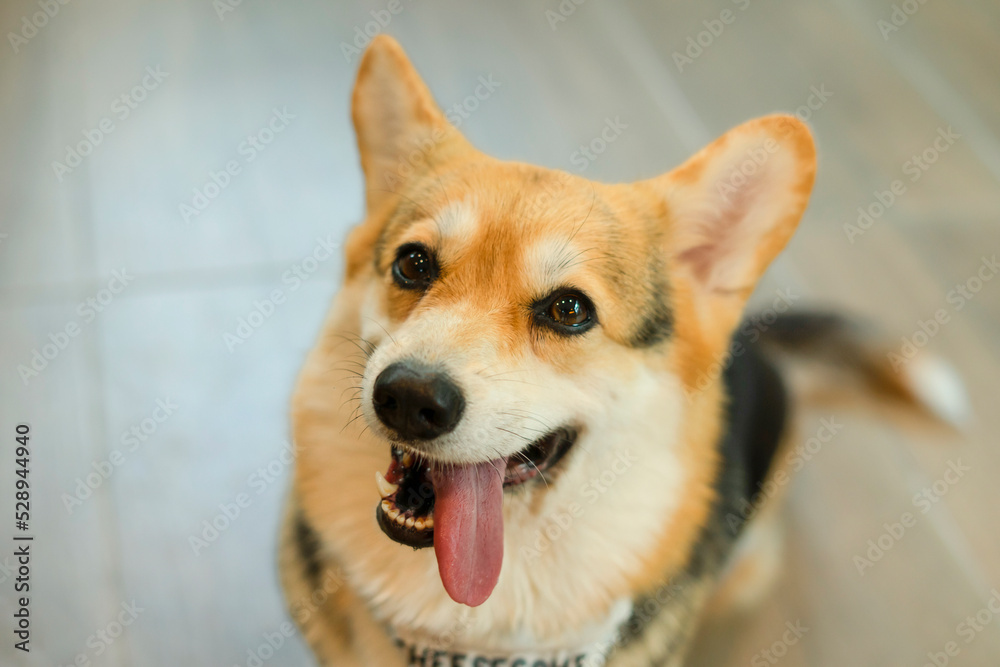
x=734, y=205
x=396, y=120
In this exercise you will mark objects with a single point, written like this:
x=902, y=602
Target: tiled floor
x=878, y=100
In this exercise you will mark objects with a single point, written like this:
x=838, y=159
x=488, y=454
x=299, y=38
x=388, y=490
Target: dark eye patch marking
x=657, y=321
x=655, y=327
x=308, y=545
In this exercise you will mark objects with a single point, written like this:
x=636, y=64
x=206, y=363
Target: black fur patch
x=658, y=321
x=657, y=324
x=758, y=409
x=807, y=329
x=755, y=421
x=308, y=544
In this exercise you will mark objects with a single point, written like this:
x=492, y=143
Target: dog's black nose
x=416, y=402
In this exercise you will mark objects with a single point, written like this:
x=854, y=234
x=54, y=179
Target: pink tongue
x=468, y=529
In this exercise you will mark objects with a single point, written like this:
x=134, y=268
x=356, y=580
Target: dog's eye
x=414, y=267
x=567, y=312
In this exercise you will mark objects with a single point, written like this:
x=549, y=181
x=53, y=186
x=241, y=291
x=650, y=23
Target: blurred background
x=172, y=168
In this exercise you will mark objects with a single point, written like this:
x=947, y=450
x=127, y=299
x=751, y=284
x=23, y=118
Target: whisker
x=568, y=261
x=372, y=319
x=533, y=384
x=501, y=428
x=516, y=370
x=347, y=389
x=355, y=341
x=500, y=474
x=527, y=460
x=593, y=200
x=524, y=414
x=352, y=420
x=349, y=371
x=535, y=430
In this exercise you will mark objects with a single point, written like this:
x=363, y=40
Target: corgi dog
x=536, y=429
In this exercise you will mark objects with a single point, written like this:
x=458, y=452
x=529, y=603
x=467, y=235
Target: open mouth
x=456, y=508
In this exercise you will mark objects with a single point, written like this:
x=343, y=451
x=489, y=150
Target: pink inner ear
x=725, y=231
x=700, y=259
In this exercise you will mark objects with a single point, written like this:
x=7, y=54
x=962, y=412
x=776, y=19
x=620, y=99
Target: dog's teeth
x=407, y=459
x=386, y=506
x=429, y=523
x=385, y=489
x=410, y=522
x=400, y=519
x=419, y=524
x=393, y=513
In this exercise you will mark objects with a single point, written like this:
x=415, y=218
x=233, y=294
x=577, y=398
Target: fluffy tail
x=829, y=359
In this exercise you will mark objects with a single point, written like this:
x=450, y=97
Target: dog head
x=519, y=332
